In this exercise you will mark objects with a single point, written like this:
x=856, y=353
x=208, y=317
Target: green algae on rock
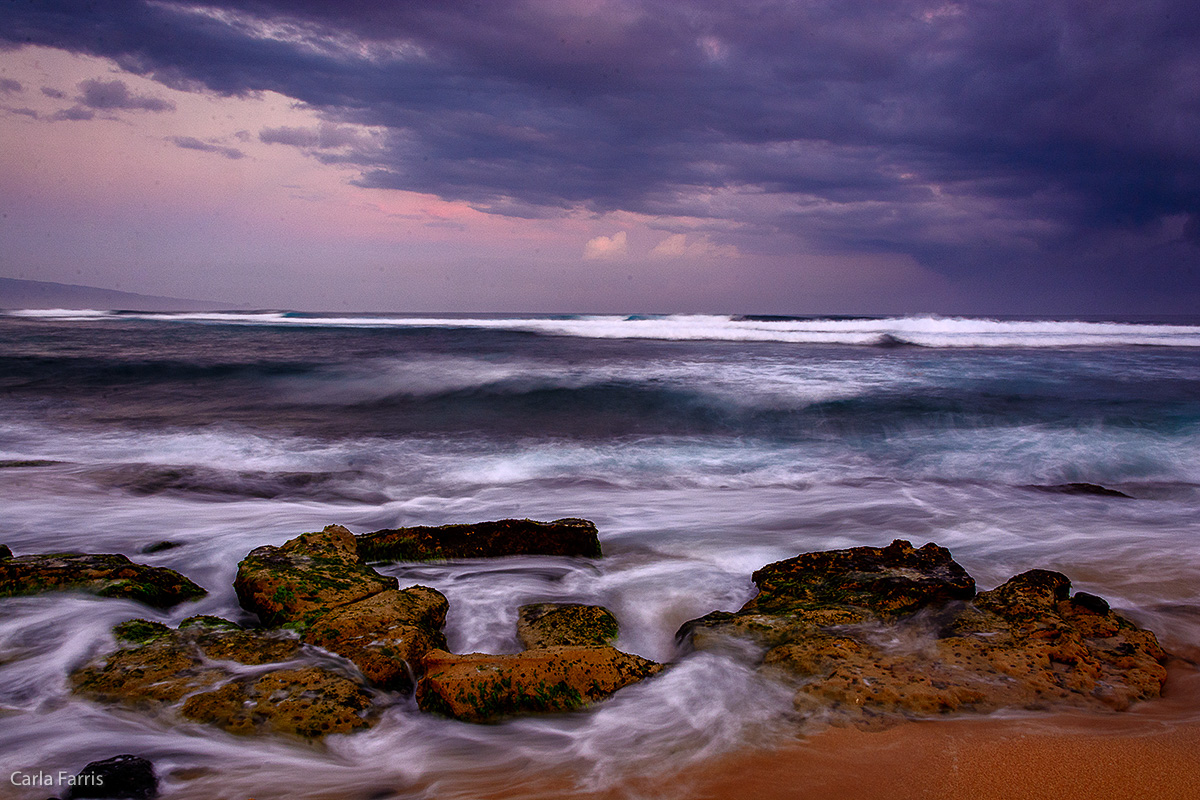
x=879, y=633
x=507, y=537
x=572, y=624
x=105, y=575
x=386, y=635
x=197, y=672
x=478, y=687
x=569, y=664
x=316, y=585
x=305, y=577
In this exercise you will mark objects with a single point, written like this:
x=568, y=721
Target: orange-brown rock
x=386, y=635
x=555, y=624
x=481, y=688
x=311, y=702
x=197, y=671
x=1027, y=643
x=306, y=577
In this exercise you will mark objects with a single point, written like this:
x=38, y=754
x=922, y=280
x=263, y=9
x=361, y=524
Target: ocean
x=703, y=447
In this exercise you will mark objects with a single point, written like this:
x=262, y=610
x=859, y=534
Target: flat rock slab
x=199, y=671
x=507, y=537
x=478, y=687
x=105, y=575
x=565, y=624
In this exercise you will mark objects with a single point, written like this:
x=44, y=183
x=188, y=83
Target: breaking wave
x=922, y=331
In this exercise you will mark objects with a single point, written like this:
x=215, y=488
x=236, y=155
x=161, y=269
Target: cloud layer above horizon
x=1003, y=147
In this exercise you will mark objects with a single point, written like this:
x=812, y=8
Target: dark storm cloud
x=192, y=143
x=955, y=132
x=114, y=95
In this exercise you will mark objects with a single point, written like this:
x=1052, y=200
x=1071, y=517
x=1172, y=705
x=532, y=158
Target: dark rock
x=5, y=552
x=27, y=462
x=508, y=537
x=1097, y=605
x=1085, y=489
x=875, y=635
x=565, y=624
x=125, y=776
x=897, y=579
x=105, y=575
x=158, y=547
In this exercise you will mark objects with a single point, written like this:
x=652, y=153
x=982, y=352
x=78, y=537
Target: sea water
x=702, y=446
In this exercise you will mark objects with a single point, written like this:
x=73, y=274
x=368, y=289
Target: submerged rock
x=316, y=585
x=200, y=671
x=569, y=664
x=873, y=633
x=106, y=575
x=1084, y=489
x=571, y=624
x=311, y=702
x=125, y=776
x=507, y=537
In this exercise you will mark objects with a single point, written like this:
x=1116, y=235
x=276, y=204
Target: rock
x=483, y=688
x=311, y=702
x=158, y=547
x=124, y=776
x=897, y=579
x=569, y=664
x=555, y=624
x=106, y=575
x=306, y=577
x=883, y=633
x=508, y=537
x=386, y=635
x=5, y=552
x=198, y=671
x=1084, y=489
x=316, y=585
x=158, y=666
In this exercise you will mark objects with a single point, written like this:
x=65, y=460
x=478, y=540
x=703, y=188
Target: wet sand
x=1151, y=751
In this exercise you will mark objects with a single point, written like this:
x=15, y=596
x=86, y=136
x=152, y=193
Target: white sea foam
x=924, y=331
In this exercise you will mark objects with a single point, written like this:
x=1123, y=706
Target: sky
x=844, y=156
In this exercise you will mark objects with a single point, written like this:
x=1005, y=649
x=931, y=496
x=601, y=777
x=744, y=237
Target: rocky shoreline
x=866, y=635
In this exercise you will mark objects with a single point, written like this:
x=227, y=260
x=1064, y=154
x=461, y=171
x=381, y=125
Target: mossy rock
x=386, y=635
x=306, y=577
x=883, y=633
x=197, y=671
x=105, y=575
x=565, y=624
x=478, y=687
x=507, y=537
